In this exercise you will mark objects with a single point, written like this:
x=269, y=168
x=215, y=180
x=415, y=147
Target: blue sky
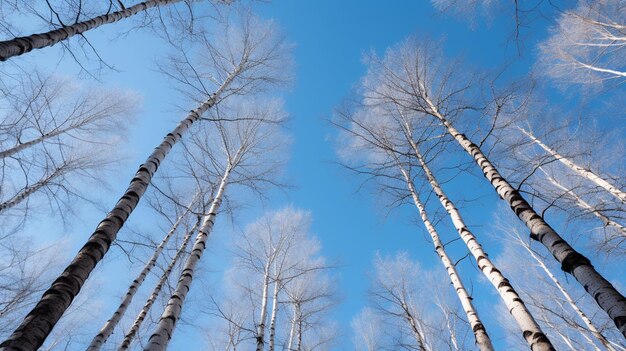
x=330, y=38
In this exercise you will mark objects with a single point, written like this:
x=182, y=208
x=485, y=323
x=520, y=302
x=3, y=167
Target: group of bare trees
x=414, y=107
x=417, y=116
x=231, y=139
x=279, y=291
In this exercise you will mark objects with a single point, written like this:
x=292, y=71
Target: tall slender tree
x=245, y=61
x=412, y=76
x=241, y=144
x=116, y=12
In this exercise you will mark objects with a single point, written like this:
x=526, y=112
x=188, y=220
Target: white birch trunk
x=613, y=190
x=165, y=328
x=128, y=338
x=273, y=315
x=586, y=206
x=602, y=291
x=530, y=329
x=29, y=190
x=292, y=330
x=110, y=325
x=31, y=334
x=569, y=299
x=481, y=337
x=22, y=45
x=418, y=333
x=17, y=148
x=260, y=335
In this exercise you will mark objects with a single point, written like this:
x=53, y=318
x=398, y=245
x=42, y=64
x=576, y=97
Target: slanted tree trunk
x=165, y=328
x=17, y=148
x=273, y=315
x=531, y=331
x=592, y=328
x=29, y=190
x=586, y=206
x=108, y=327
x=22, y=45
x=260, y=334
x=601, y=182
x=603, y=292
x=128, y=338
x=418, y=332
x=294, y=323
x=31, y=334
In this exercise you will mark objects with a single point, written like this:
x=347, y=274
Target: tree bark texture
x=21, y=45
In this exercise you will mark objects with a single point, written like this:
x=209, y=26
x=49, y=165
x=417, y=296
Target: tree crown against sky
x=501, y=80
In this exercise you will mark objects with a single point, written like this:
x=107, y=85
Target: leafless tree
x=414, y=77
x=241, y=153
x=243, y=60
x=62, y=20
x=51, y=132
x=558, y=305
x=394, y=293
x=279, y=272
x=588, y=44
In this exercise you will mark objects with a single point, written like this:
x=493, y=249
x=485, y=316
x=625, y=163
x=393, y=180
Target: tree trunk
x=531, y=330
x=22, y=45
x=480, y=333
x=108, y=327
x=260, y=335
x=29, y=190
x=273, y=315
x=17, y=148
x=292, y=330
x=163, y=331
x=415, y=328
x=586, y=206
x=603, y=292
x=31, y=334
x=613, y=190
x=128, y=338
x=569, y=299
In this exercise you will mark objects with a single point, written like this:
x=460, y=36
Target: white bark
x=128, y=338
x=22, y=45
x=603, y=292
x=586, y=206
x=165, y=328
x=601, y=182
x=273, y=315
x=40, y=321
x=108, y=327
x=31, y=189
x=292, y=330
x=480, y=333
x=530, y=329
x=567, y=296
x=260, y=335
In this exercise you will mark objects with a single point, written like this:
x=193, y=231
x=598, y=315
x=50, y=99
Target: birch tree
x=587, y=44
x=412, y=76
x=109, y=326
x=573, y=321
x=387, y=132
x=583, y=172
x=394, y=293
x=66, y=19
x=243, y=60
x=51, y=132
x=243, y=146
x=278, y=271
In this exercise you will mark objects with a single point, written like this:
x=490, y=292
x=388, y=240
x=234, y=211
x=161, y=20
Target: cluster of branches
x=278, y=292
x=232, y=139
x=410, y=102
